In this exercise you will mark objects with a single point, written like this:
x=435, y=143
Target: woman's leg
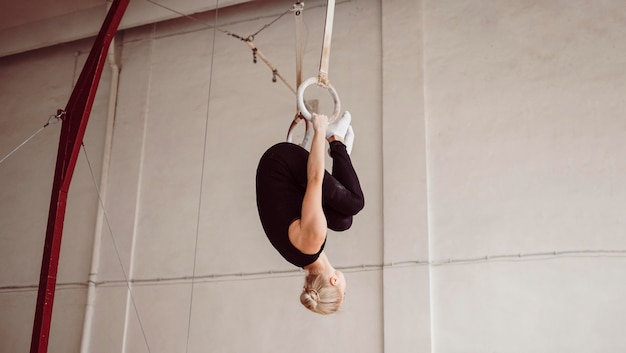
x=342, y=194
x=280, y=189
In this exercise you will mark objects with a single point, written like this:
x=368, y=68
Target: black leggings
x=282, y=181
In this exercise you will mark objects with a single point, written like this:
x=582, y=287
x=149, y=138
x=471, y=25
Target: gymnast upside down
x=298, y=200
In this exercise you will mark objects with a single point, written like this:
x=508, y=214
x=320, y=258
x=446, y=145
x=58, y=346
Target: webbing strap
x=275, y=72
x=328, y=33
x=298, y=7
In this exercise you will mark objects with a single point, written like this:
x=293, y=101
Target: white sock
x=340, y=126
x=349, y=139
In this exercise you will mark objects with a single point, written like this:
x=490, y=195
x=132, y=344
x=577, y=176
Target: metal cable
x=127, y=281
x=53, y=119
x=206, y=132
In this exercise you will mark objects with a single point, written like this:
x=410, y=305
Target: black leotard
x=280, y=186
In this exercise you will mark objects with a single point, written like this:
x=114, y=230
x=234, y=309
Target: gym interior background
x=490, y=144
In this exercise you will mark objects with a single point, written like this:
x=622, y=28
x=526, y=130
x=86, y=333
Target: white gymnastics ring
x=307, y=131
x=331, y=90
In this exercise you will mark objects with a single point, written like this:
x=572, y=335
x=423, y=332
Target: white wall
x=481, y=130
x=526, y=134
x=405, y=206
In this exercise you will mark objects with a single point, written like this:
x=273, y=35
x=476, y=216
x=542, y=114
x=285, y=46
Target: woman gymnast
x=298, y=200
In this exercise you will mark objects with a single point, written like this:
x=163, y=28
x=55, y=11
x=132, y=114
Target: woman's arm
x=308, y=233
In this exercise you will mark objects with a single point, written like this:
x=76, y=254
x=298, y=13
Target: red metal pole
x=75, y=120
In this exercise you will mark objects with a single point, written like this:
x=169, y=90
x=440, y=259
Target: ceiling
x=15, y=13
x=32, y=24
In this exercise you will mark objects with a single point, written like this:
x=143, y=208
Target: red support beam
x=75, y=118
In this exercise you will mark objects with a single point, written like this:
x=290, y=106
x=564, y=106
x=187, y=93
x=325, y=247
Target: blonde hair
x=319, y=295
